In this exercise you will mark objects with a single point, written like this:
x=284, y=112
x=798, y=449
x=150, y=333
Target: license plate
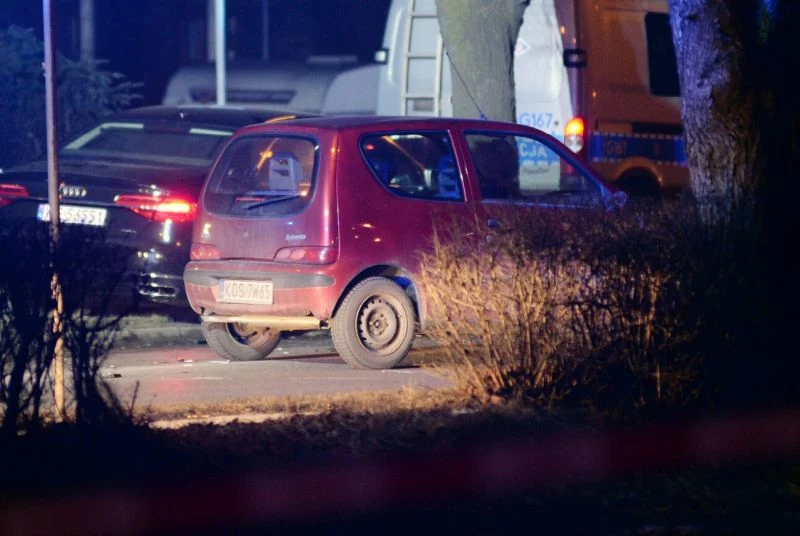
x=255, y=292
x=94, y=217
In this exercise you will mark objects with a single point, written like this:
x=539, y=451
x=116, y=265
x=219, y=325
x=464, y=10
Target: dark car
x=319, y=223
x=135, y=177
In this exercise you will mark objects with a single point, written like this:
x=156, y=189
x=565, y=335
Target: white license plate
x=255, y=292
x=94, y=217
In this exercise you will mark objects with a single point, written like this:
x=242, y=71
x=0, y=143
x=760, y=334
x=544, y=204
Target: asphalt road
x=184, y=371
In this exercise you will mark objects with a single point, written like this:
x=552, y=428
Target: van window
x=419, y=165
x=262, y=176
x=525, y=170
x=663, y=66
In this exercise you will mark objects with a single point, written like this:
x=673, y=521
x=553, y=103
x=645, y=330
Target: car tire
x=374, y=326
x=240, y=342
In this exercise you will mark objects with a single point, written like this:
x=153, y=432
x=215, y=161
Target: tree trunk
x=741, y=116
x=479, y=38
x=719, y=110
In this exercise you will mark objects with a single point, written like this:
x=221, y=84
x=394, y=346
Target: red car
x=318, y=223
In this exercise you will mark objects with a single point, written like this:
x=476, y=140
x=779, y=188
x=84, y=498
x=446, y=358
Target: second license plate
x=74, y=214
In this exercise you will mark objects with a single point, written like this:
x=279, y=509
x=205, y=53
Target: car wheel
x=240, y=342
x=374, y=327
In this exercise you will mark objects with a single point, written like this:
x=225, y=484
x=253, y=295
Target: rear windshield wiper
x=272, y=201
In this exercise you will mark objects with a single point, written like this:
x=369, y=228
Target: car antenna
x=474, y=102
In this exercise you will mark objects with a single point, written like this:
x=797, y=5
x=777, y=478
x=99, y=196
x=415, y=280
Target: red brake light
x=11, y=192
x=573, y=134
x=158, y=208
x=203, y=252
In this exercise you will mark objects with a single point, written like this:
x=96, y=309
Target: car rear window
x=262, y=176
x=163, y=142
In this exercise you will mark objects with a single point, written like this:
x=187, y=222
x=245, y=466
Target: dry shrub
x=91, y=276
x=500, y=310
x=607, y=309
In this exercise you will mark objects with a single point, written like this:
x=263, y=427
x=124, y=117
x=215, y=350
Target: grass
x=420, y=437
x=286, y=407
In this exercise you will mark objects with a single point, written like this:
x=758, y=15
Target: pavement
x=160, y=330
x=155, y=330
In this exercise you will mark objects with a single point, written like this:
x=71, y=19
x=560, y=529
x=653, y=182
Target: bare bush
x=500, y=310
x=91, y=276
x=614, y=310
x=97, y=297
x=27, y=342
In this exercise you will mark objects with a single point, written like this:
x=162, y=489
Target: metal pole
x=264, y=29
x=52, y=195
x=221, y=56
x=211, y=24
x=87, y=29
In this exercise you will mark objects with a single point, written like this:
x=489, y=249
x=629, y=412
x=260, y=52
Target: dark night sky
x=148, y=40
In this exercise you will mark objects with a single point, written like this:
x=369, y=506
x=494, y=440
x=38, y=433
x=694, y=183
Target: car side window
x=525, y=170
x=418, y=165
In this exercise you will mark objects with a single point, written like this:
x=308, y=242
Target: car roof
x=372, y=122
x=231, y=116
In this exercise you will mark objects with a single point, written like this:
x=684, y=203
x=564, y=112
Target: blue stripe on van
x=614, y=146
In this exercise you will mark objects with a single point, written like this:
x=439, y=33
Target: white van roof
x=300, y=86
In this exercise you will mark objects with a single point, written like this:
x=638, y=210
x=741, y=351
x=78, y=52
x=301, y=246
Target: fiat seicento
x=319, y=223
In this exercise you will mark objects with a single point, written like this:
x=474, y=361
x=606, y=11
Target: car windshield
x=167, y=142
x=263, y=176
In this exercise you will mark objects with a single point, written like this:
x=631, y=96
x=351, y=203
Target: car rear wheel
x=240, y=342
x=374, y=327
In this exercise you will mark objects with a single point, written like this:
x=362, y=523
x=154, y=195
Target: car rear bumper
x=294, y=294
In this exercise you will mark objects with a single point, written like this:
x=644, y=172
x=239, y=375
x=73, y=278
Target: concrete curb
x=172, y=333
x=169, y=334
x=244, y=418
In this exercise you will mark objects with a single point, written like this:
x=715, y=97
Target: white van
x=329, y=84
x=599, y=75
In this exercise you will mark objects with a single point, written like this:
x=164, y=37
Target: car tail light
x=158, y=208
x=307, y=254
x=574, y=134
x=11, y=192
x=203, y=252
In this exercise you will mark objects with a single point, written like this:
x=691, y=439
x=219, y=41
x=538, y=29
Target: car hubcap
x=378, y=323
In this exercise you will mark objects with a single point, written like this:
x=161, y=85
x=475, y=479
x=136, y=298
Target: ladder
x=421, y=93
